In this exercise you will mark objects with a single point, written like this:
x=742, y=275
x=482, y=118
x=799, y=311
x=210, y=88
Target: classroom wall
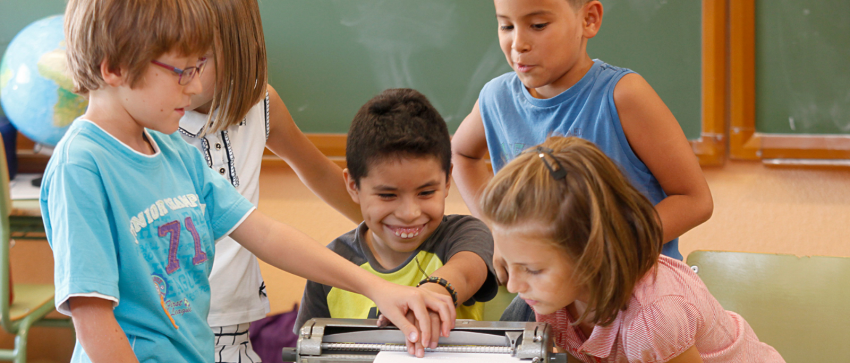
x=789, y=211
x=756, y=209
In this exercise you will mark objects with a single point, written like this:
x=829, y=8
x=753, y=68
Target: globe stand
x=40, y=149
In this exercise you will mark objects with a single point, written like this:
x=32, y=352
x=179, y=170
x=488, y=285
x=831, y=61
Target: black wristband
x=442, y=282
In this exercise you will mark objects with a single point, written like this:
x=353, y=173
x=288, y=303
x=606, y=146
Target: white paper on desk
x=21, y=187
x=403, y=357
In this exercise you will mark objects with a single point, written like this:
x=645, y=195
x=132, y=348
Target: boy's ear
x=592, y=12
x=112, y=77
x=351, y=186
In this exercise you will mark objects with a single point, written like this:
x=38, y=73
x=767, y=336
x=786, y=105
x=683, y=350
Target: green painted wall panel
x=328, y=57
x=803, y=66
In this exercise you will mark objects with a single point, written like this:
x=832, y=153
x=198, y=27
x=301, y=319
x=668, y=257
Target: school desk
x=25, y=220
x=798, y=305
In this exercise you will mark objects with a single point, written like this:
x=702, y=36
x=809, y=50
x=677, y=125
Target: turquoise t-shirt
x=514, y=120
x=139, y=230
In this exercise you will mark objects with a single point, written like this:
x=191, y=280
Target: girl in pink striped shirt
x=583, y=249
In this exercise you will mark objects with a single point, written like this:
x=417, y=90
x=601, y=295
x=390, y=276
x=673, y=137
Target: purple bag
x=271, y=334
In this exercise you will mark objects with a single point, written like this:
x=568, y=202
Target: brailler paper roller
x=360, y=340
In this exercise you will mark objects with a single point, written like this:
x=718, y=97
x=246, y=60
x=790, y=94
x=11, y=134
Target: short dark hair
x=578, y=3
x=398, y=123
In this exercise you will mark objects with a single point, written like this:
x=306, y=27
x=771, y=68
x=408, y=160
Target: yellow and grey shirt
x=455, y=233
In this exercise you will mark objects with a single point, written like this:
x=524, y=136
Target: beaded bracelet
x=442, y=282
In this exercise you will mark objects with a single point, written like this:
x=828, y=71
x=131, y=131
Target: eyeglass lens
x=189, y=73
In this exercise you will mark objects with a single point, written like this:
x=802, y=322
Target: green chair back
x=5, y=237
x=798, y=305
x=32, y=301
x=493, y=309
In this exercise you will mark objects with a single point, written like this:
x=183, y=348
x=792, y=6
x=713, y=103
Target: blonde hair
x=608, y=228
x=129, y=34
x=240, y=56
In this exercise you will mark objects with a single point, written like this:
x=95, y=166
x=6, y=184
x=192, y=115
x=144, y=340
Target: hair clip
x=558, y=173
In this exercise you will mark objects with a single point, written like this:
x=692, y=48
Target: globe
x=35, y=88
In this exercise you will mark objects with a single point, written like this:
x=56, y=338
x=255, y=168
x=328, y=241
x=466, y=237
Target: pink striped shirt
x=666, y=316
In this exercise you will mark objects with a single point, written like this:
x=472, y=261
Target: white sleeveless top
x=237, y=291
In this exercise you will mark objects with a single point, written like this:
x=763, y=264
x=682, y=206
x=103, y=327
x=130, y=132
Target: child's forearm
x=470, y=176
x=320, y=174
x=466, y=271
x=469, y=149
x=681, y=213
x=98, y=332
x=291, y=250
x=657, y=139
x=325, y=179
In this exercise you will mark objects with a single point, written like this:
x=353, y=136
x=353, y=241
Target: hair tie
x=560, y=172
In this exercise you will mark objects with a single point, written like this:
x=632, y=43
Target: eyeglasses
x=186, y=75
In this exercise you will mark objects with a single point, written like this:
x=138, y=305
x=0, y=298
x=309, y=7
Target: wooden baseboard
x=276, y=162
x=820, y=164
x=332, y=145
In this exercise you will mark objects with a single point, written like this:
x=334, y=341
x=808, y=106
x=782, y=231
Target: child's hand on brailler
x=417, y=348
x=415, y=310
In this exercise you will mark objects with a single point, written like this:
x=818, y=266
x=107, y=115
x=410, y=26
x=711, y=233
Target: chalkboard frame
x=745, y=142
x=710, y=147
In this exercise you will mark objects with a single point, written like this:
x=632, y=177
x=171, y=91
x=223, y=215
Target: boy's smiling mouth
x=406, y=232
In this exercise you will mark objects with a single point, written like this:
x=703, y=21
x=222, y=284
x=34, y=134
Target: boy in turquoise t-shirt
x=132, y=211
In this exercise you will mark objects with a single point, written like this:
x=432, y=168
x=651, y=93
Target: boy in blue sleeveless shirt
x=557, y=89
x=132, y=212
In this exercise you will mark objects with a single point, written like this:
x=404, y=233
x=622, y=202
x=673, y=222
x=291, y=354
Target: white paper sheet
x=403, y=357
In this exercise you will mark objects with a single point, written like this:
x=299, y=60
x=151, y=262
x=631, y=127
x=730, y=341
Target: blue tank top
x=514, y=120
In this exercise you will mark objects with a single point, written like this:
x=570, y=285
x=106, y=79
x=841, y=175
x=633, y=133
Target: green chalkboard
x=328, y=57
x=803, y=66
x=661, y=40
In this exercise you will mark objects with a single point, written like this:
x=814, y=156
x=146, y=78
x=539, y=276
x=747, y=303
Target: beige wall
x=760, y=209
x=756, y=209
